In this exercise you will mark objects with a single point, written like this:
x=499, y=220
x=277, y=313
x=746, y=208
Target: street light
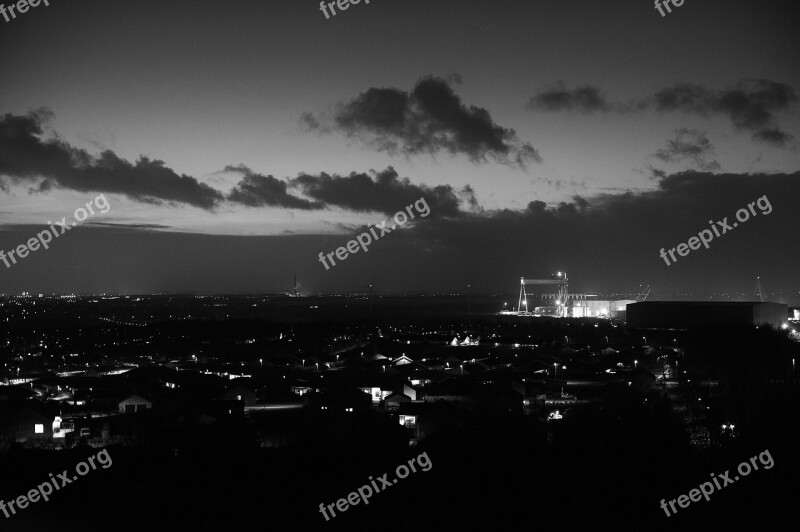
x=555, y=369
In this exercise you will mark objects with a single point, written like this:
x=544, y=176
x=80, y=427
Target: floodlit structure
x=561, y=297
x=564, y=304
x=596, y=308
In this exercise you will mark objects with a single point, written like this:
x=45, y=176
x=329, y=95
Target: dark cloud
x=429, y=119
x=256, y=190
x=690, y=145
x=562, y=184
x=751, y=106
x=685, y=97
x=383, y=192
x=612, y=241
x=774, y=136
x=26, y=156
x=586, y=99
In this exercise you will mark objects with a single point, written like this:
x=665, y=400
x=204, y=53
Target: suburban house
x=134, y=403
x=28, y=424
x=338, y=400
x=241, y=392
x=393, y=401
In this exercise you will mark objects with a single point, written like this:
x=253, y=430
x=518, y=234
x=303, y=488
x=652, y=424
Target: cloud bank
x=383, y=192
x=27, y=156
x=752, y=105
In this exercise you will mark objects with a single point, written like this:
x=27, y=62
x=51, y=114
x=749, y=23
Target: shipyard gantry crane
x=562, y=297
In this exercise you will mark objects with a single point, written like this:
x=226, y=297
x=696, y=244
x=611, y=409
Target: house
x=301, y=390
x=134, y=403
x=393, y=401
x=241, y=392
x=378, y=393
x=402, y=360
x=408, y=391
x=408, y=415
x=338, y=400
x=427, y=376
x=61, y=428
x=28, y=424
x=458, y=391
x=49, y=384
x=424, y=419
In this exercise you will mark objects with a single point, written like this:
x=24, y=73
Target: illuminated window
x=408, y=421
x=38, y=428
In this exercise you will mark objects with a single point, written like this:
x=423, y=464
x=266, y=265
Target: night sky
x=237, y=140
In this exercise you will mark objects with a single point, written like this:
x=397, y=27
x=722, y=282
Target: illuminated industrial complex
x=564, y=304
x=657, y=315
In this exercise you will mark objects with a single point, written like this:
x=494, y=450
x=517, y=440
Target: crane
x=757, y=291
x=559, y=280
x=642, y=296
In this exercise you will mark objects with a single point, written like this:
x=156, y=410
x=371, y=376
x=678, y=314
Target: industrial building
x=682, y=315
x=594, y=308
x=564, y=304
